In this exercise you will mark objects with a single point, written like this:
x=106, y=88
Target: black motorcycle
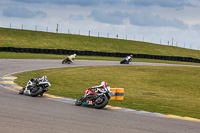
x=97, y=100
x=35, y=87
x=125, y=61
x=67, y=60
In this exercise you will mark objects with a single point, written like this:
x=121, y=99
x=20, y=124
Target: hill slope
x=37, y=39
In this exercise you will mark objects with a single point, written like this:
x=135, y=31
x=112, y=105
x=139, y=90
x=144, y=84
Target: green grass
x=10, y=55
x=168, y=90
x=36, y=39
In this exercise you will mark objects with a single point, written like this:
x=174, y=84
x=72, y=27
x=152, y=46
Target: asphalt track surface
x=25, y=114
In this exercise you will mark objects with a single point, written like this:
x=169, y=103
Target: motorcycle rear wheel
x=36, y=93
x=127, y=62
x=102, y=104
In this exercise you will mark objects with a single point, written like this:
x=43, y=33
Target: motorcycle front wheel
x=122, y=62
x=64, y=61
x=101, y=103
x=79, y=101
x=22, y=91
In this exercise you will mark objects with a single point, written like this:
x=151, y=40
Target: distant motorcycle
x=35, y=87
x=126, y=60
x=67, y=60
x=95, y=99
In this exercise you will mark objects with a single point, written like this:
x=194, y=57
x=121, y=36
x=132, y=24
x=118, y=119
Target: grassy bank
x=168, y=90
x=36, y=39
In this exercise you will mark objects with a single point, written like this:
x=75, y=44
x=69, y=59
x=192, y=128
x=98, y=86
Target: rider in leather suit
x=102, y=87
x=34, y=81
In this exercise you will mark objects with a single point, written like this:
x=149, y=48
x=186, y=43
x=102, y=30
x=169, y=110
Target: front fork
x=27, y=91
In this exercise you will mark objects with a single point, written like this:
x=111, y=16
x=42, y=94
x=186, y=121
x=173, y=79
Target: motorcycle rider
x=34, y=81
x=71, y=57
x=129, y=58
x=103, y=87
x=98, y=97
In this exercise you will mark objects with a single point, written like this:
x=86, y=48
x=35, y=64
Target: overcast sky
x=149, y=20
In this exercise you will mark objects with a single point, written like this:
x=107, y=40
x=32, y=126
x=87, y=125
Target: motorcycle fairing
x=90, y=102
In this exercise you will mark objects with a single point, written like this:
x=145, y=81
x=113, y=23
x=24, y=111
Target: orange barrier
x=118, y=93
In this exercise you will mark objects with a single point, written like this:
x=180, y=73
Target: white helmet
x=44, y=77
x=103, y=83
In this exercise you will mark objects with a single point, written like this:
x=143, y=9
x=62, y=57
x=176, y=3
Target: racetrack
x=25, y=114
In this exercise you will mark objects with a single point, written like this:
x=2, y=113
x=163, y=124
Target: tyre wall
x=96, y=53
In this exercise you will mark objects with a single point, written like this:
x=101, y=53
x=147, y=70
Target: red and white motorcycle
x=97, y=98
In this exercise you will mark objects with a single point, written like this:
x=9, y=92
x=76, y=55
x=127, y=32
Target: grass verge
x=167, y=90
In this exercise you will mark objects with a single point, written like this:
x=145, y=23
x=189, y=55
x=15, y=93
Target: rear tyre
x=102, y=104
x=38, y=91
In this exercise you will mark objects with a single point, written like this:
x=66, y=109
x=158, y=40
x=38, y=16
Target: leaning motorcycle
x=35, y=87
x=125, y=61
x=67, y=60
x=95, y=99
